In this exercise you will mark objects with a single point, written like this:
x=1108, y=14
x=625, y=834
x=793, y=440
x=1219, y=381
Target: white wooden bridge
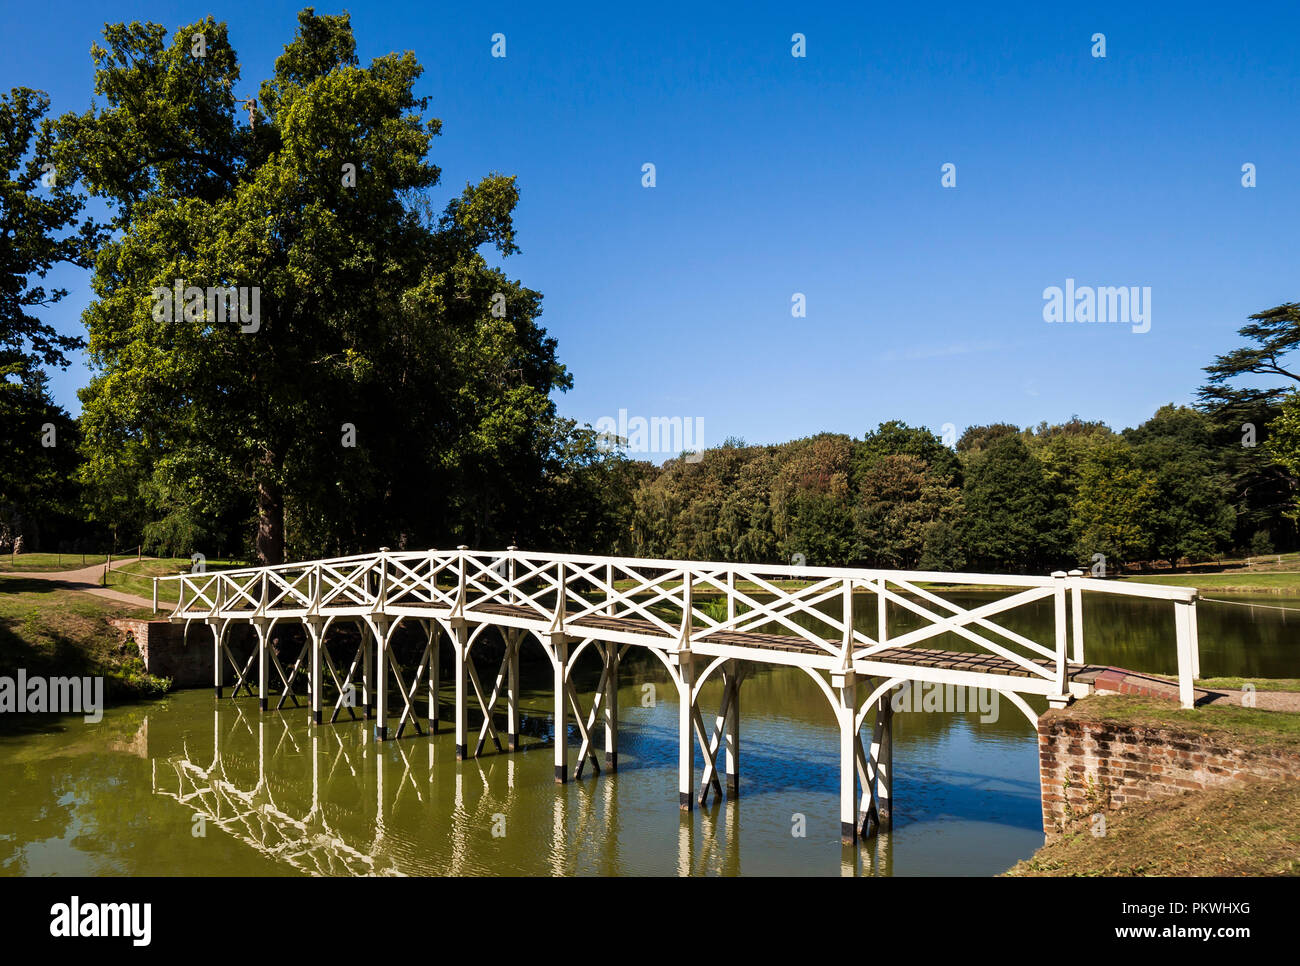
x=698, y=619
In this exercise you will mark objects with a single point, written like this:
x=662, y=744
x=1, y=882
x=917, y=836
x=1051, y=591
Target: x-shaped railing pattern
x=681, y=600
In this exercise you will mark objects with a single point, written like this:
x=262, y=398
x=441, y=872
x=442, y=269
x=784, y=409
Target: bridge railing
x=689, y=602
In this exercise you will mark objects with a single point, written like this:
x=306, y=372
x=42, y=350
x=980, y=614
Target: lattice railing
x=682, y=601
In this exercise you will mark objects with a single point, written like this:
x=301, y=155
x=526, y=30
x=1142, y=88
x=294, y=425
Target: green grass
x=1228, y=723
x=1236, y=684
x=1246, y=582
x=137, y=577
x=48, y=562
x=1252, y=828
x=52, y=631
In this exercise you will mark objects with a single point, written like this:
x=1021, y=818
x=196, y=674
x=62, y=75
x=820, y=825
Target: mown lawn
x=1248, y=582
x=137, y=577
x=46, y=562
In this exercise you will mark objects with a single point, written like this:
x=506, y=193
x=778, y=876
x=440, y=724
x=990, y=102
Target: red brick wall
x=165, y=653
x=1089, y=766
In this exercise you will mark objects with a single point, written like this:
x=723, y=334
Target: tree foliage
x=394, y=387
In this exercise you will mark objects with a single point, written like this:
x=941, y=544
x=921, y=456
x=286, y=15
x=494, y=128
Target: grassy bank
x=49, y=631
x=1232, y=725
x=137, y=577
x=1247, y=829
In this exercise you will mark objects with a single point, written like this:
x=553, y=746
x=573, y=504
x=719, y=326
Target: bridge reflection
x=335, y=802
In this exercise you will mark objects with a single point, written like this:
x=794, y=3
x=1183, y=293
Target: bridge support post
x=686, y=727
x=611, y=705
x=883, y=753
x=845, y=684
x=460, y=658
x=559, y=664
x=435, y=675
x=218, y=659
x=381, y=628
x=513, y=638
x=731, y=683
x=367, y=670
x=316, y=629
x=263, y=668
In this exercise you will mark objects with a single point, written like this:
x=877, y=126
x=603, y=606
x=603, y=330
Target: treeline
x=1182, y=487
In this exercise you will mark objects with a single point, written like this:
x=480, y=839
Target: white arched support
x=384, y=629
x=604, y=704
x=725, y=731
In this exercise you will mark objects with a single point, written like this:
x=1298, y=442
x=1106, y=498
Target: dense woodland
x=398, y=390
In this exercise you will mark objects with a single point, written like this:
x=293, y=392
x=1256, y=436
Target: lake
x=195, y=786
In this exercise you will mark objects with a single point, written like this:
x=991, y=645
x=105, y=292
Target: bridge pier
x=560, y=664
x=685, y=664
x=846, y=689
x=513, y=638
x=611, y=705
x=367, y=669
x=460, y=658
x=381, y=629
x=218, y=663
x=435, y=674
x=316, y=631
x=883, y=754
x=260, y=624
x=731, y=680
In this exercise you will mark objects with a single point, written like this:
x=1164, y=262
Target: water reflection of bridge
x=697, y=619
x=235, y=787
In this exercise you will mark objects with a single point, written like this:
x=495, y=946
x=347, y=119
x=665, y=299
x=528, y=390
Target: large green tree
x=1012, y=520
x=1242, y=395
x=1192, y=512
x=387, y=386
x=40, y=227
x=1113, y=513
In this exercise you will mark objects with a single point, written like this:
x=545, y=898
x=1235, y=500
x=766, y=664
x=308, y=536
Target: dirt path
x=1264, y=700
x=86, y=580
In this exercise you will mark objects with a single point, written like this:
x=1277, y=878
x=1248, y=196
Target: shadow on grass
x=53, y=634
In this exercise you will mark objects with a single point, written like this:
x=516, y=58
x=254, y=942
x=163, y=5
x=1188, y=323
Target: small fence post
x=155, y=595
x=882, y=613
x=846, y=660
x=510, y=596
x=1076, y=614
x=688, y=609
x=561, y=598
x=381, y=589
x=1062, y=637
x=609, y=589
x=458, y=609
x=1184, y=628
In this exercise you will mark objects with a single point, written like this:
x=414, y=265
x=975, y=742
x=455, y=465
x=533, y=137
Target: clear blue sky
x=821, y=175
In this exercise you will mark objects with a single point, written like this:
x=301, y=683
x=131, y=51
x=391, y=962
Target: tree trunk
x=270, y=515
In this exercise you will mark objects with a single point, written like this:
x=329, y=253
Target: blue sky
x=821, y=175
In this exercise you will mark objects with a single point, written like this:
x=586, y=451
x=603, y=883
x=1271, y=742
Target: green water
x=190, y=785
